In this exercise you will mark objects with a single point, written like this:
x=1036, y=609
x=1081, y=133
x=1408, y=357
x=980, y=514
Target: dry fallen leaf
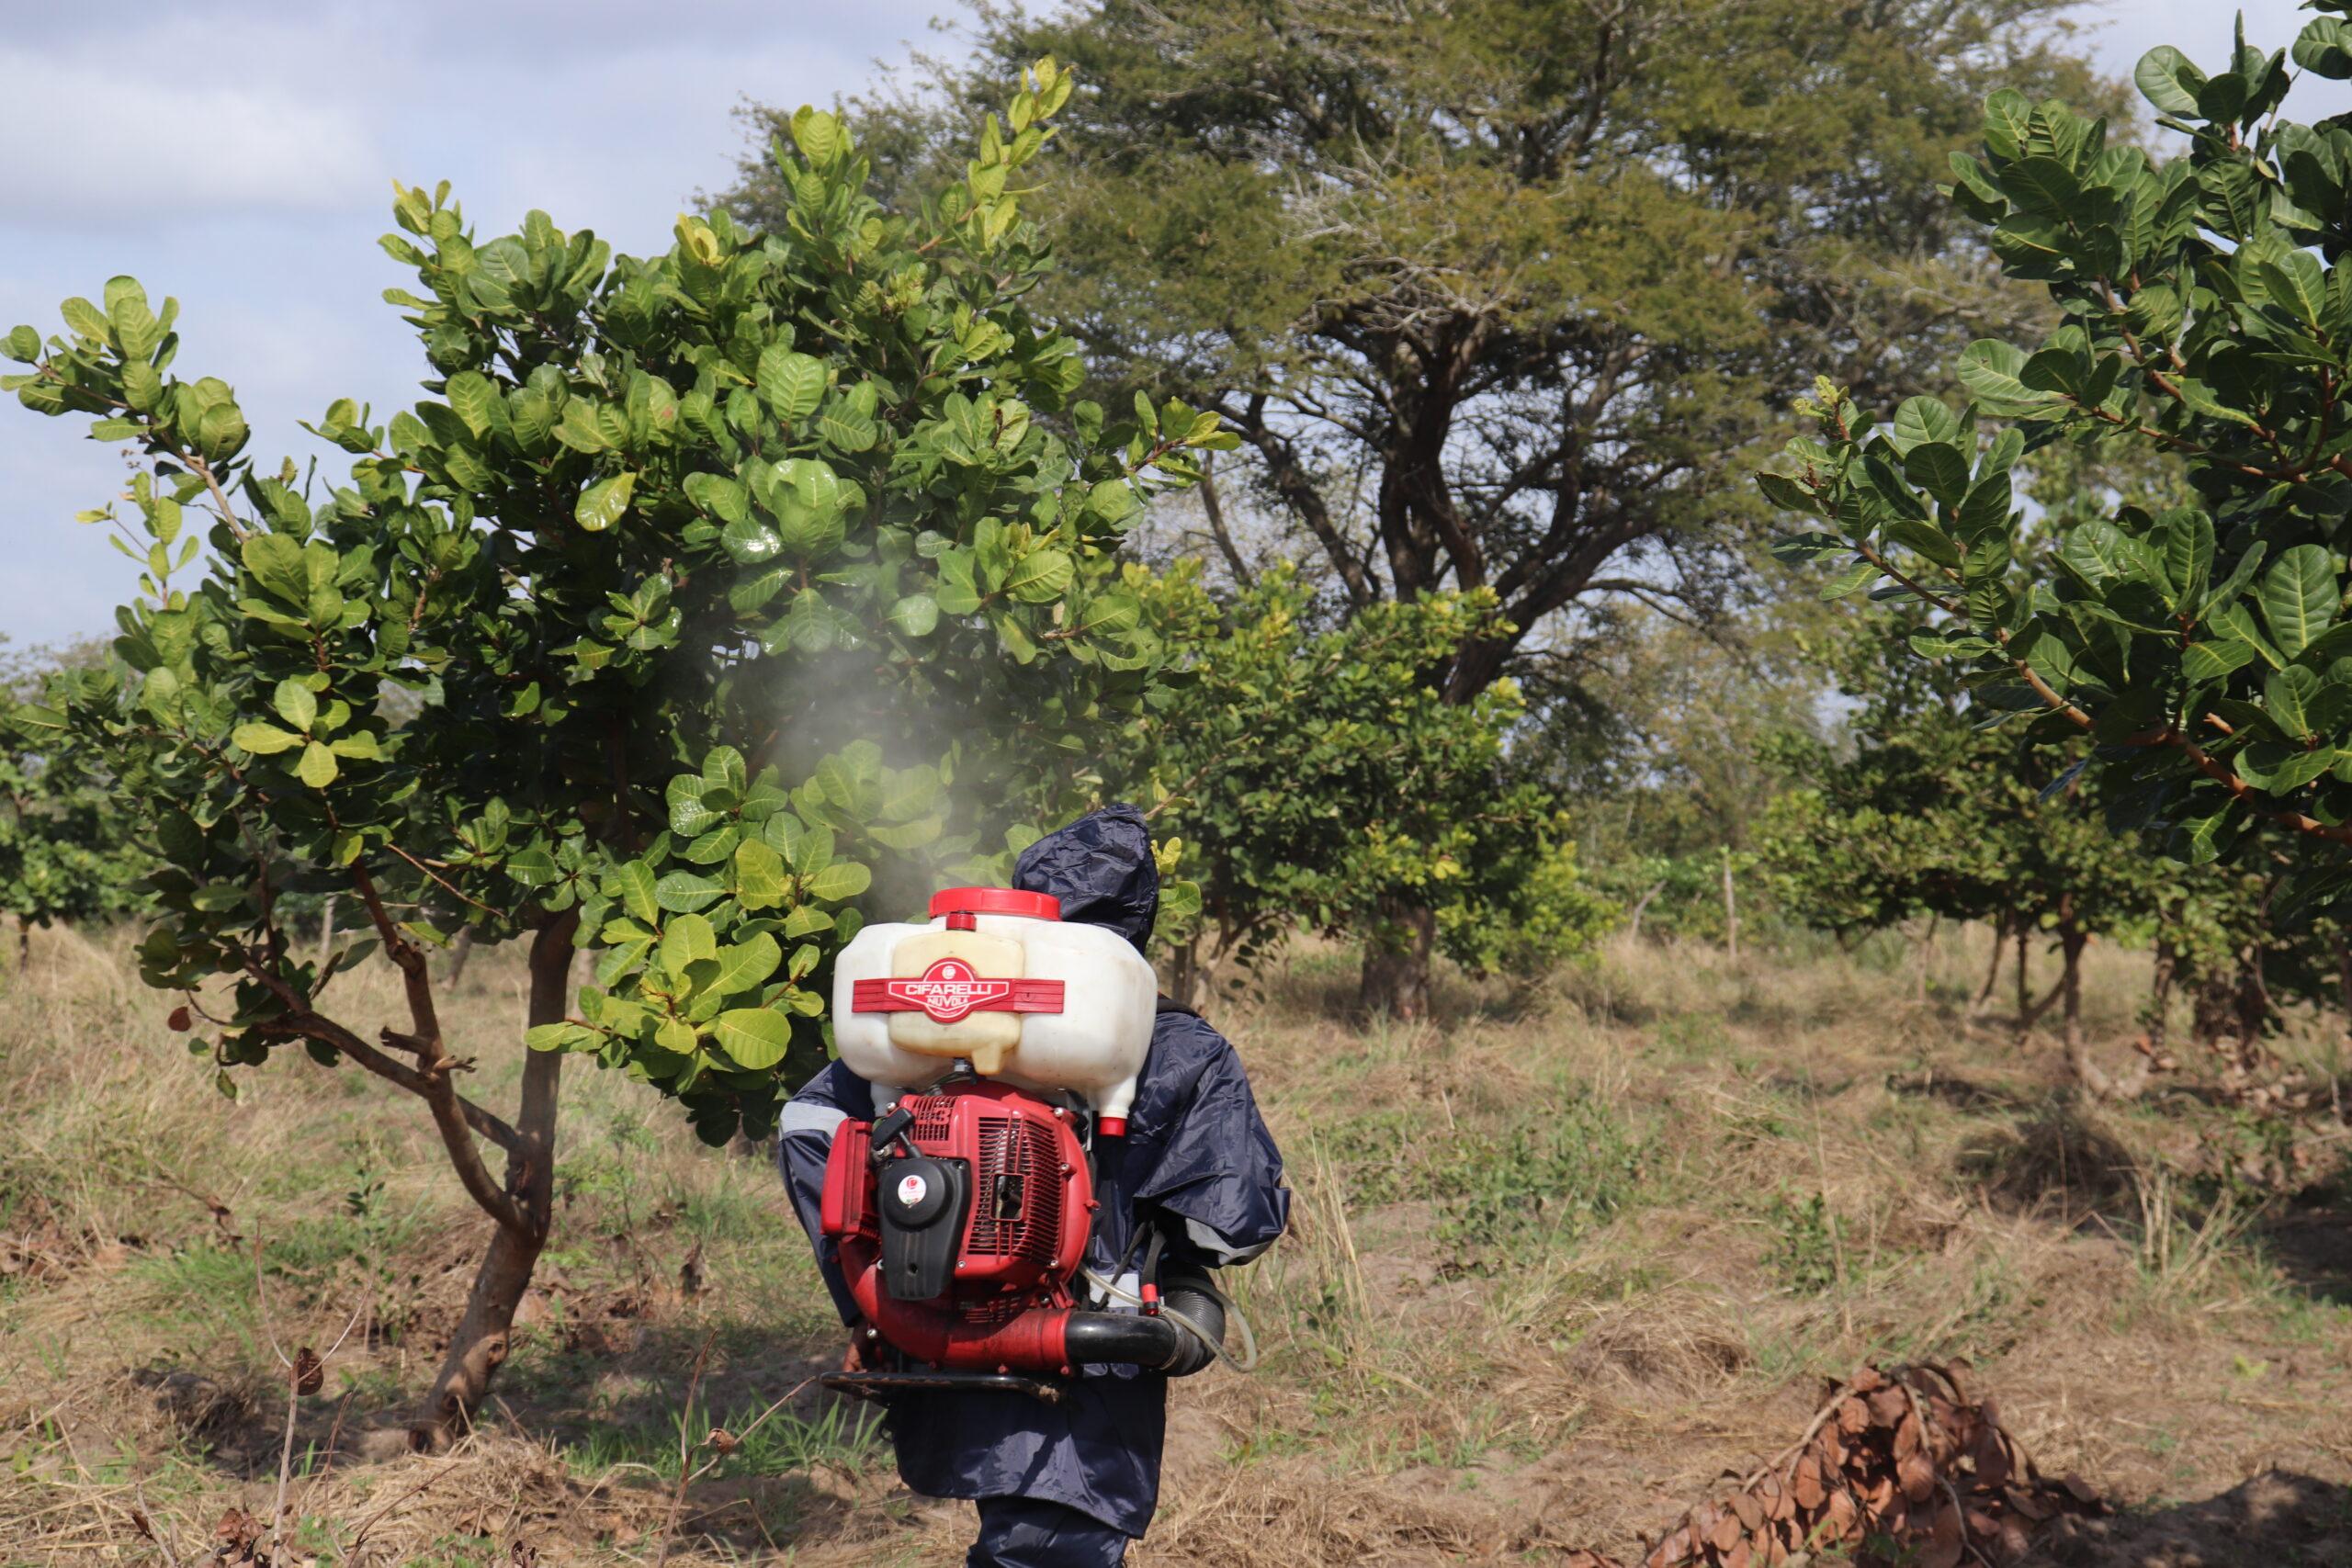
x=1898, y=1460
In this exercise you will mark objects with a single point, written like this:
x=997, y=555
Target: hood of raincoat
x=1100, y=868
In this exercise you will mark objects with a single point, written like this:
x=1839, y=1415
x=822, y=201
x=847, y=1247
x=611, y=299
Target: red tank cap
x=997, y=901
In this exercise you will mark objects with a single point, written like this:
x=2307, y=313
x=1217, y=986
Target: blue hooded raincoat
x=1197, y=1157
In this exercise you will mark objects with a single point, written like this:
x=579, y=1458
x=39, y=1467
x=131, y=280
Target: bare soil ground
x=1561, y=1260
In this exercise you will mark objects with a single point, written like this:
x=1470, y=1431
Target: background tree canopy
x=1317, y=780
x=1495, y=295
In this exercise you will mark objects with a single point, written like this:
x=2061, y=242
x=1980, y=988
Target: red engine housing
x=1019, y=1228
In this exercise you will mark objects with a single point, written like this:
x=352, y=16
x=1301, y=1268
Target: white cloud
x=86, y=143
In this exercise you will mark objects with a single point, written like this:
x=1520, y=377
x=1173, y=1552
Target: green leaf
x=846, y=430
x=2202, y=399
x=761, y=882
x=915, y=615
x=722, y=498
x=561, y=1037
x=682, y=890
x=1785, y=492
x=1041, y=575
x=264, y=739
x=2288, y=695
x=684, y=941
x=2226, y=592
x=749, y=541
x=806, y=920
x=2297, y=283
x=746, y=965
x=2167, y=79
x=819, y=135
x=534, y=867
x=1851, y=580
x=1938, y=470
x=1114, y=500
x=2325, y=48
x=1925, y=537
x=1923, y=419
x=295, y=704
x=632, y=883
x=2299, y=596
x=318, y=766
x=956, y=593
x=787, y=837
x=913, y=835
x=1179, y=899
x=1799, y=547
x=1990, y=370
x=908, y=792
x=842, y=879
x=1984, y=510
x=2203, y=661
x=621, y=958
x=793, y=384
x=756, y=1038
x=601, y=505
x=691, y=816
x=86, y=318
x=2187, y=541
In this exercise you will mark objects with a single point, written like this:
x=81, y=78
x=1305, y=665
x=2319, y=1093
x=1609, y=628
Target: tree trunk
x=2160, y=980
x=1634, y=922
x=2094, y=1080
x=326, y=931
x=2213, y=1010
x=1187, y=975
x=1993, y=971
x=2252, y=1009
x=2343, y=979
x=1731, y=914
x=2070, y=942
x=483, y=1337
x=457, y=956
x=2027, y=1012
x=24, y=942
x=1397, y=979
x=1926, y=953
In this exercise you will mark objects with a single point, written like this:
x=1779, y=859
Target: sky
x=238, y=156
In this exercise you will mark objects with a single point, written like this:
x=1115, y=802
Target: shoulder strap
x=1169, y=1004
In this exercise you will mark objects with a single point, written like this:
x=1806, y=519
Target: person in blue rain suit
x=1067, y=1485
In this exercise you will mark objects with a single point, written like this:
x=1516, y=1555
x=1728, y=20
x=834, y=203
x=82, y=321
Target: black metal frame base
x=881, y=1385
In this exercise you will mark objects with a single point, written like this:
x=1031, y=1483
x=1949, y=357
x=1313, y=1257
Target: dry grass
x=1560, y=1258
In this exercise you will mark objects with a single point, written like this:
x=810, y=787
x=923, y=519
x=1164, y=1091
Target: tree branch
x=434, y=1066
x=1289, y=478
x=1214, y=511
x=309, y=1024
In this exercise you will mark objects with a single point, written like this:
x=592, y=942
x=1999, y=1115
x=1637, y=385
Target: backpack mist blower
x=993, y=1036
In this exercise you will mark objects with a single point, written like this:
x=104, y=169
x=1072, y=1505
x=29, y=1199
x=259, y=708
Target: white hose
x=1233, y=1315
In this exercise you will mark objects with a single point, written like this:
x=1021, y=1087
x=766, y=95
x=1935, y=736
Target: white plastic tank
x=1000, y=980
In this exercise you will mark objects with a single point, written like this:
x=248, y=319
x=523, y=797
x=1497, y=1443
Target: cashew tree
x=67, y=852
x=2204, y=650
x=1317, y=779
x=709, y=600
